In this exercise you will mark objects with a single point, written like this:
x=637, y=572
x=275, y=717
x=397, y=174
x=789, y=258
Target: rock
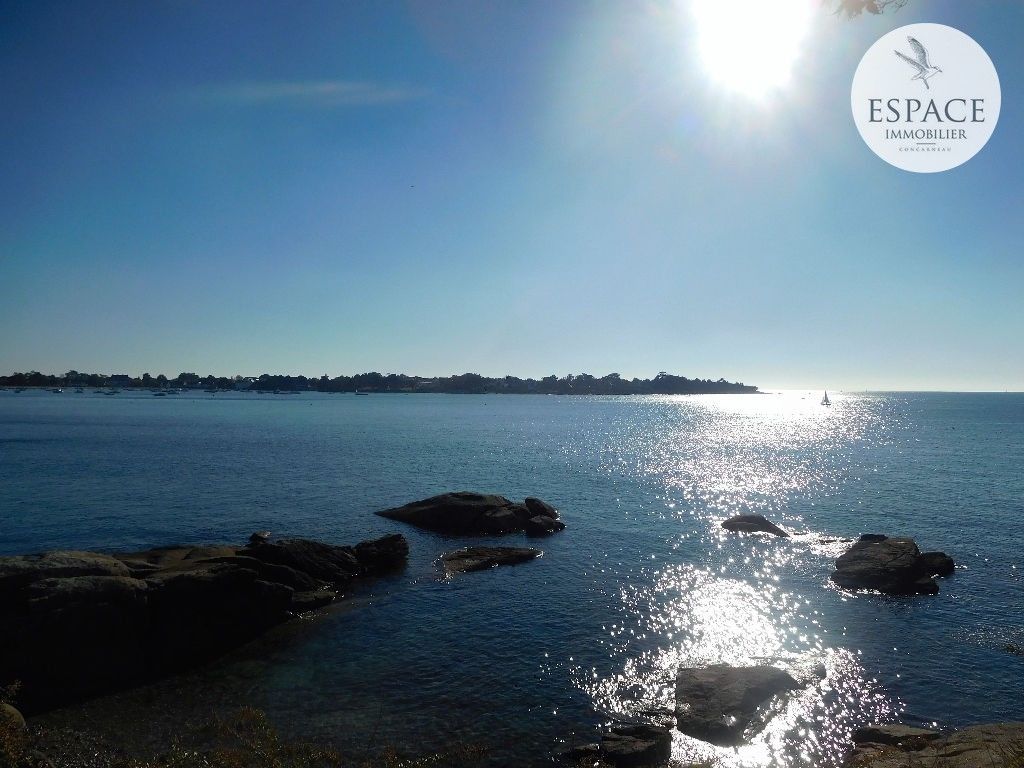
x=752, y=524
x=197, y=614
x=542, y=525
x=499, y=521
x=310, y=601
x=537, y=507
x=469, y=514
x=718, y=703
x=895, y=735
x=325, y=562
x=260, y=537
x=665, y=716
x=936, y=564
x=634, y=746
x=12, y=716
x=383, y=554
x=481, y=558
x=19, y=571
x=272, y=572
x=76, y=624
x=997, y=744
x=873, y=537
x=894, y=566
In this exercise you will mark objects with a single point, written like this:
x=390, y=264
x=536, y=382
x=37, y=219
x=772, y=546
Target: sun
x=750, y=47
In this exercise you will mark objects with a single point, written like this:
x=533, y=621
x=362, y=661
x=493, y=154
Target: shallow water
x=642, y=581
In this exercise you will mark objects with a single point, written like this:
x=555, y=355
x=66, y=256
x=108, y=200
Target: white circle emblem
x=925, y=97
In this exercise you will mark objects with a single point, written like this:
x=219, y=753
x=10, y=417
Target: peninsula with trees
x=466, y=383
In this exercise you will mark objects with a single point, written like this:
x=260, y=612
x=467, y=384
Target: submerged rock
x=752, y=524
x=481, y=558
x=719, y=703
x=898, y=746
x=892, y=565
x=468, y=514
x=623, y=745
x=76, y=624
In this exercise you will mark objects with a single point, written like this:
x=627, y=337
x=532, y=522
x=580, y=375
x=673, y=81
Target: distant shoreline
x=377, y=383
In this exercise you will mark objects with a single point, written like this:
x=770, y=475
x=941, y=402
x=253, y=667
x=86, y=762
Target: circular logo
x=925, y=97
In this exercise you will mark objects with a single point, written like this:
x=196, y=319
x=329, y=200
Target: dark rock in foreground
x=719, y=703
x=894, y=566
x=899, y=746
x=76, y=624
x=636, y=746
x=482, y=558
x=752, y=524
x=469, y=514
x=624, y=745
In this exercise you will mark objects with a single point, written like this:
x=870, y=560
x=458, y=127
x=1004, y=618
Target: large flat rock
x=76, y=624
x=721, y=704
x=1000, y=745
x=482, y=558
x=892, y=565
x=466, y=513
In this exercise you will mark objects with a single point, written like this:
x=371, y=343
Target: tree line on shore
x=466, y=383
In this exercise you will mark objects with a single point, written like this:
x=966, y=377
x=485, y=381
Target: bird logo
x=920, y=62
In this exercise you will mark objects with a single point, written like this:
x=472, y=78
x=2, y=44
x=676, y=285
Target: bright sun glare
x=751, y=46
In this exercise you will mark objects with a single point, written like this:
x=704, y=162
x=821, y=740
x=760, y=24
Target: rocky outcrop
x=752, y=524
x=471, y=514
x=899, y=746
x=720, y=704
x=81, y=623
x=892, y=565
x=632, y=746
x=482, y=558
x=624, y=745
x=542, y=525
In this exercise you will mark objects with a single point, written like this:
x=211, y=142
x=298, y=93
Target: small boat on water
x=825, y=400
x=363, y=394
x=56, y=390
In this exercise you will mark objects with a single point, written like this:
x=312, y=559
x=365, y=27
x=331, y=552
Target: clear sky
x=517, y=187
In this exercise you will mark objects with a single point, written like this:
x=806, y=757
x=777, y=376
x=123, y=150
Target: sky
x=524, y=188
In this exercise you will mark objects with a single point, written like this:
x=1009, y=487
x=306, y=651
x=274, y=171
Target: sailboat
x=825, y=400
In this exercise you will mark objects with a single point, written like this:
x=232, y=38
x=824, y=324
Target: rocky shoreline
x=80, y=624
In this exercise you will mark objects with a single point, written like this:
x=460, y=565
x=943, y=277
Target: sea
x=643, y=580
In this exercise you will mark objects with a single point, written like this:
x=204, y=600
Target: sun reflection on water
x=692, y=617
x=708, y=458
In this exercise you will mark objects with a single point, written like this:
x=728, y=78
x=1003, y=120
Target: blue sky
x=516, y=187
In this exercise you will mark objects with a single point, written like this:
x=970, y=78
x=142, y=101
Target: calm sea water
x=642, y=581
